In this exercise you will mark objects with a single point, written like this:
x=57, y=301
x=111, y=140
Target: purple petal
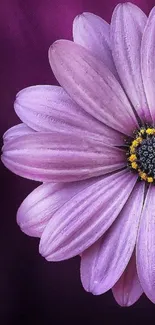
x=49, y=108
x=148, y=62
x=127, y=26
x=84, y=219
x=146, y=246
x=17, y=131
x=93, y=33
x=60, y=157
x=128, y=290
x=40, y=205
x=104, y=262
x=89, y=82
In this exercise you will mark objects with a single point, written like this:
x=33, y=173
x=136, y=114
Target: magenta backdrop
x=32, y=289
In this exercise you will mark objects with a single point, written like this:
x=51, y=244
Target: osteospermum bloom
x=91, y=141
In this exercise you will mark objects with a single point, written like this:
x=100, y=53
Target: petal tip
x=41, y=249
x=57, y=48
x=58, y=43
x=78, y=20
x=96, y=290
x=90, y=286
x=53, y=47
x=124, y=301
x=43, y=252
x=125, y=6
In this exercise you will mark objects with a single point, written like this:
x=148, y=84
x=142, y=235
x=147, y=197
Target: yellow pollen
x=132, y=158
x=150, y=179
x=150, y=131
x=142, y=132
x=136, y=156
x=139, y=140
x=132, y=150
x=142, y=175
x=134, y=165
x=135, y=143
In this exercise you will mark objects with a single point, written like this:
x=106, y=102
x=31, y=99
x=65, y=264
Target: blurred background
x=33, y=290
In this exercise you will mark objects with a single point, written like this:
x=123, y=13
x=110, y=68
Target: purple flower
x=92, y=144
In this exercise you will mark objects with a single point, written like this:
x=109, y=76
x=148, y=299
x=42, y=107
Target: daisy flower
x=91, y=142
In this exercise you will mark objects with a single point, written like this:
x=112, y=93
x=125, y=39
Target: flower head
x=91, y=141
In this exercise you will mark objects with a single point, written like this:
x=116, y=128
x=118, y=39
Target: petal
x=148, y=62
x=86, y=217
x=146, y=246
x=39, y=206
x=127, y=26
x=17, y=131
x=89, y=82
x=60, y=157
x=93, y=33
x=128, y=290
x=49, y=108
x=104, y=262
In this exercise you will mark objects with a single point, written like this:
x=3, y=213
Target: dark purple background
x=31, y=289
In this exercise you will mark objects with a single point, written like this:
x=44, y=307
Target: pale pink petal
x=39, y=206
x=127, y=26
x=104, y=262
x=61, y=157
x=145, y=253
x=128, y=290
x=49, y=108
x=93, y=33
x=17, y=131
x=148, y=62
x=90, y=83
x=84, y=219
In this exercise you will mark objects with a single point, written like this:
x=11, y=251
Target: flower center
x=141, y=154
